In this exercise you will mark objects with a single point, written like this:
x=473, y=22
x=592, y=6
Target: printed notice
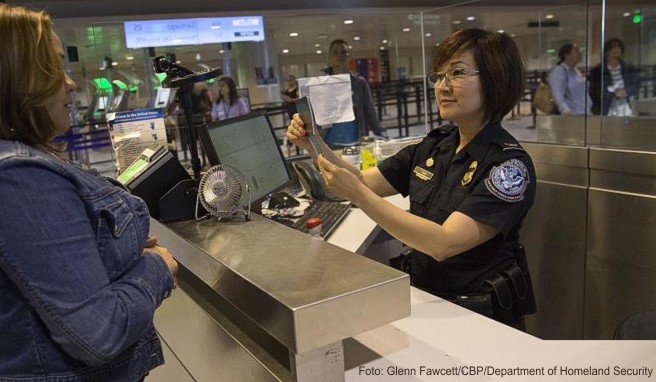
x=133, y=131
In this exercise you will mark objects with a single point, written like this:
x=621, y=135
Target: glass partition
x=622, y=76
x=393, y=49
x=539, y=32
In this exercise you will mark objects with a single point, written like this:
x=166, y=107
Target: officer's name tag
x=422, y=173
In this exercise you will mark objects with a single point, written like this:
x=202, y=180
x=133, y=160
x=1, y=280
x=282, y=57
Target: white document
x=331, y=97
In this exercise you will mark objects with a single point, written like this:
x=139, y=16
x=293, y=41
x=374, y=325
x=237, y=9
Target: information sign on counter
x=133, y=131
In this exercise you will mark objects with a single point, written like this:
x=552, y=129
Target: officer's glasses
x=451, y=76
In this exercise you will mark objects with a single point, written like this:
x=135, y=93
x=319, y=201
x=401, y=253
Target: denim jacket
x=77, y=291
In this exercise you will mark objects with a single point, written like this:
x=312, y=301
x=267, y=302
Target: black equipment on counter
x=180, y=200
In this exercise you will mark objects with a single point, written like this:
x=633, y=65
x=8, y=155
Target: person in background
x=366, y=119
x=79, y=277
x=568, y=86
x=290, y=95
x=613, y=82
x=470, y=184
x=228, y=104
x=201, y=102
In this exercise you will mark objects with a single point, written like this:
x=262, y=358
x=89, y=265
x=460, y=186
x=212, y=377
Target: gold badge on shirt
x=469, y=174
x=430, y=162
x=422, y=173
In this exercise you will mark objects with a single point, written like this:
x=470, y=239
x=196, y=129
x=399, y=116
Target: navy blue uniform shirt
x=491, y=180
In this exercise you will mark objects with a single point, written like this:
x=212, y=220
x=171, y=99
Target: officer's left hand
x=341, y=181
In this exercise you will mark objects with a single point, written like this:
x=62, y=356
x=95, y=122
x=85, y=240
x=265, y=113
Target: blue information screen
x=210, y=30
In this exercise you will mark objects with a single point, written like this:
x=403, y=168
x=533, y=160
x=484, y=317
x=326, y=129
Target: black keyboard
x=330, y=213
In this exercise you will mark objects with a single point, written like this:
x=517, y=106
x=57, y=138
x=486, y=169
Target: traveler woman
x=79, y=278
x=470, y=184
x=228, y=104
x=568, y=87
x=613, y=82
x=290, y=95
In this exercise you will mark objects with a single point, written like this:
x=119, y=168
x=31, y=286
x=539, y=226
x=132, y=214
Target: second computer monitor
x=249, y=144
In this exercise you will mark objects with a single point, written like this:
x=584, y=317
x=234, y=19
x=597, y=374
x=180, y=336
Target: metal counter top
x=304, y=292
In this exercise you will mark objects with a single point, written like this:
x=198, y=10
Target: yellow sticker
x=430, y=162
x=469, y=174
x=423, y=174
x=368, y=159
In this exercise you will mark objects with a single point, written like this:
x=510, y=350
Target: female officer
x=79, y=278
x=470, y=184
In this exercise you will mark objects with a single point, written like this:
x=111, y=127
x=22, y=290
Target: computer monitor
x=102, y=103
x=116, y=103
x=162, y=99
x=249, y=144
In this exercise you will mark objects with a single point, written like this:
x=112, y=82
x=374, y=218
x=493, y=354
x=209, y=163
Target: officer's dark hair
x=564, y=51
x=611, y=43
x=501, y=69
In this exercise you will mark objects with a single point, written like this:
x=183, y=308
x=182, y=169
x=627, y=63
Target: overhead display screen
x=209, y=30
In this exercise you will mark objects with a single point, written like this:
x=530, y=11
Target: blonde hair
x=31, y=74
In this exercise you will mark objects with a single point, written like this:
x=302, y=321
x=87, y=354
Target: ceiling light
x=626, y=14
x=293, y=34
x=215, y=27
x=384, y=41
x=178, y=62
x=456, y=22
x=319, y=51
x=406, y=29
x=549, y=17
x=317, y=45
x=322, y=35
x=501, y=31
x=356, y=38
x=114, y=63
x=428, y=34
x=513, y=35
x=382, y=48
x=471, y=18
x=285, y=51
x=129, y=58
x=348, y=21
x=221, y=51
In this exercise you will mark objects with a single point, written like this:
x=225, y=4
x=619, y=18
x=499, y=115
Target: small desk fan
x=221, y=192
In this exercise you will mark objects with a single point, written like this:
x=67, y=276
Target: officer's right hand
x=296, y=133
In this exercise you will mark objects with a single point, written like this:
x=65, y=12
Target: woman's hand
x=340, y=180
x=296, y=133
x=152, y=246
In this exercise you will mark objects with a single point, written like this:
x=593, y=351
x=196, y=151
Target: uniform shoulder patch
x=508, y=181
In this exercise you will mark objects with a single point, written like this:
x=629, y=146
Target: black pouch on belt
x=480, y=303
x=520, y=278
x=511, y=288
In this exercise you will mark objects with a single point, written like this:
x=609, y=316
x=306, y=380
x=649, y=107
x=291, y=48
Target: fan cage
x=221, y=190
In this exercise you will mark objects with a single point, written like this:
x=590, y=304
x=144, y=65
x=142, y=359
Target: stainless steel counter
x=305, y=293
